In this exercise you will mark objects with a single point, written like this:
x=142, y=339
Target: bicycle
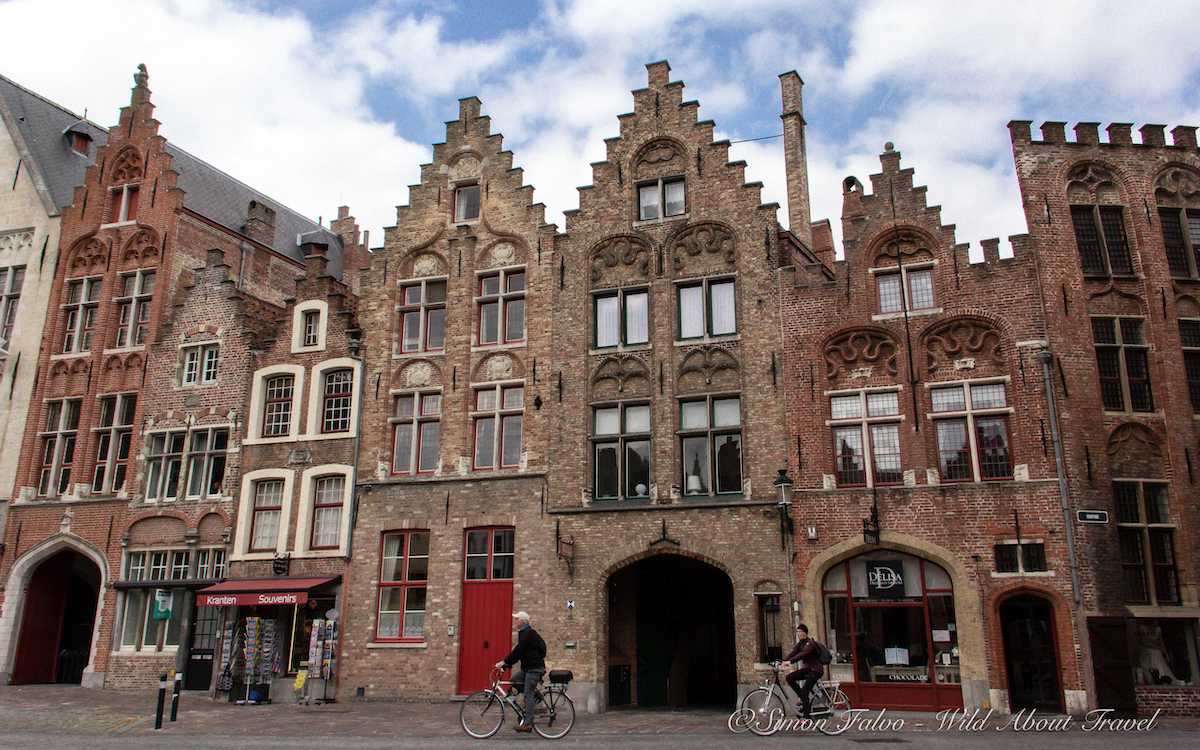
x=765, y=708
x=482, y=713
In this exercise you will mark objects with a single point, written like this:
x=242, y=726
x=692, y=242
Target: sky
x=319, y=104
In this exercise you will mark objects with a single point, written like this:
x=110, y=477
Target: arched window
x=1099, y=221
x=338, y=395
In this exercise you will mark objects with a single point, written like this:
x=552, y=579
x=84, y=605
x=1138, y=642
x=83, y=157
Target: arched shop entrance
x=57, y=620
x=1030, y=653
x=670, y=634
x=890, y=623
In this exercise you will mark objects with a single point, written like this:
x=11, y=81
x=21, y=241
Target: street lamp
x=783, y=487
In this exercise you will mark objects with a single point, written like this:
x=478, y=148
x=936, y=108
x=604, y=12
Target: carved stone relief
x=913, y=248
x=426, y=265
x=93, y=254
x=127, y=167
x=16, y=241
x=465, y=167
x=633, y=253
x=962, y=338
x=856, y=353
x=711, y=363
x=659, y=152
x=1177, y=187
x=702, y=240
x=499, y=367
x=617, y=371
x=142, y=247
x=418, y=375
x=1092, y=183
x=1134, y=450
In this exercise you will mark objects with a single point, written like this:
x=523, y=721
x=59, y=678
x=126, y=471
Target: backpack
x=824, y=655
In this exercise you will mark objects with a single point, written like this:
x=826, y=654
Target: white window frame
x=661, y=191
x=10, y=303
x=137, y=303
x=316, y=400
x=200, y=364
x=454, y=208
x=120, y=204
x=60, y=433
x=864, y=423
x=304, y=514
x=245, y=514
x=969, y=413
x=321, y=307
x=502, y=299
x=80, y=310
x=498, y=413
x=621, y=294
x=417, y=419
x=906, y=304
x=422, y=309
x=111, y=457
x=258, y=399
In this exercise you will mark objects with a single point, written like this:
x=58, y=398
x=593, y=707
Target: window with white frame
x=403, y=576
x=620, y=451
x=970, y=423
x=422, y=313
x=416, y=432
x=133, y=308
x=200, y=364
x=79, y=314
x=310, y=323
x=265, y=515
x=1123, y=362
x=1189, y=336
x=866, y=438
x=706, y=308
x=497, y=419
x=58, y=436
x=278, y=391
x=327, y=496
x=501, y=305
x=210, y=563
x=124, y=205
x=710, y=437
x=466, y=203
x=207, y=452
x=164, y=465
x=11, y=281
x=113, y=436
x=907, y=288
x=337, y=398
x=661, y=199
x=620, y=318
x=139, y=630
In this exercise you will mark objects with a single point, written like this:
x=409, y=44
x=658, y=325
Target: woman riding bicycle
x=807, y=654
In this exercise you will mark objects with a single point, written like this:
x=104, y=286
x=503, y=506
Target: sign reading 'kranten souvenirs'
x=244, y=600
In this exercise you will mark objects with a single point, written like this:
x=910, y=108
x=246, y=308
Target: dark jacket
x=807, y=654
x=530, y=651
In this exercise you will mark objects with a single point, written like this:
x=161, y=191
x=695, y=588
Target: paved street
x=42, y=716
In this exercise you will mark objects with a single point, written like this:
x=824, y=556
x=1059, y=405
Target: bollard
x=162, y=697
x=175, y=695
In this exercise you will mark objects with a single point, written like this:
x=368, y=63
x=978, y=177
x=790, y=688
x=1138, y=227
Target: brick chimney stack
x=796, y=156
x=260, y=223
x=316, y=259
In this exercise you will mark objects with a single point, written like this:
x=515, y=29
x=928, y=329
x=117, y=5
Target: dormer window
x=124, y=204
x=81, y=143
x=660, y=199
x=466, y=203
x=915, y=284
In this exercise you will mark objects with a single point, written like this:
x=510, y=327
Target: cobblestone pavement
x=35, y=716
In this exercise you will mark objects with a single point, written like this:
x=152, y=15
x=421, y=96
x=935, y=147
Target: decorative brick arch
x=973, y=337
x=916, y=245
x=862, y=346
x=1135, y=450
x=1093, y=181
x=1177, y=185
x=620, y=258
x=656, y=154
x=126, y=166
x=1063, y=633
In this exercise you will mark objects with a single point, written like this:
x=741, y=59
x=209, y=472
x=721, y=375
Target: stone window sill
x=385, y=645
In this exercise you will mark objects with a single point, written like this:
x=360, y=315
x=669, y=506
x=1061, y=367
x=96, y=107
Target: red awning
x=259, y=591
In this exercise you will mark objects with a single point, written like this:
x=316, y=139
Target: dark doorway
x=1112, y=664
x=671, y=630
x=198, y=673
x=1030, y=654
x=56, y=626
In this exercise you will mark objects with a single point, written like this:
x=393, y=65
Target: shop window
x=770, y=627
x=1026, y=557
x=200, y=364
x=1166, y=652
x=866, y=433
x=1146, y=539
x=1100, y=238
x=710, y=435
x=1189, y=336
x=337, y=400
x=1181, y=238
x=466, y=203
x=620, y=318
x=277, y=405
x=501, y=306
x=423, y=316
x=133, y=308
x=497, y=420
x=971, y=428
x=489, y=554
x=57, y=438
x=11, y=281
x=403, y=575
x=905, y=289
x=206, y=456
x=707, y=308
x=139, y=630
x=113, y=436
x=621, y=451
x=124, y=207
x=661, y=199
x=264, y=520
x=416, y=433
x=79, y=315
x=1122, y=357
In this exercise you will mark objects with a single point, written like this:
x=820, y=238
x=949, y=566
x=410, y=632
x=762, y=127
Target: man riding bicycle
x=531, y=652
x=806, y=653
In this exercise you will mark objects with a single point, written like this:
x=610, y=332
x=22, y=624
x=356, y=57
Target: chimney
x=260, y=223
x=795, y=157
x=316, y=259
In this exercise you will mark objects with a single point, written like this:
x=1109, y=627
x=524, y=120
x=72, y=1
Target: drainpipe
x=355, y=354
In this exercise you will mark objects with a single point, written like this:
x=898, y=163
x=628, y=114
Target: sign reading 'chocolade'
x=251, y=600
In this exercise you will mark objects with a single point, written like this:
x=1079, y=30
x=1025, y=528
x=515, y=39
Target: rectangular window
x=327, y=511
x=971, y=428
x=770, y=628
x=710, y=438
x=466, y=203
x=79, y=314
x=621, y=451
x=663, y=198
x=133, y=308
x=11, y=281
x=501, y=305
x=489, y=554
x=620, y=317
x=138, y=629
x=124, y=204
x=1122, y=360
x=200, y=364
x=1100, y=238
x=277, y=405
x=113, y=436
x=1145, y=535
x=707, y=308
x=497, y=419
x=876, y=416
x=207, y=453
x=422, y=312
x=58, y=436
x=311, y=332
x=416, y=433
x=164, y=465
x=1028, y=557
x=1189, y=337
x=906, y=288
x=1181, y=239
x=1167, y=652
x=403, y=576
x=264, y=520
x=337, y=401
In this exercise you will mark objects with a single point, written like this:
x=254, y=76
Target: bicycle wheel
x=481, y=714
x=834, y=723
x=767, y=709
x=553, y=714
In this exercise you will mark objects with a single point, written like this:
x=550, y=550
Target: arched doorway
x=891, y=626
x=57, y=620
x=670, y=634
x=1030, y=653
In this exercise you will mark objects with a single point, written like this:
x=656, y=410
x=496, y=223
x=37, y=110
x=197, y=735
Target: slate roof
x=208, y=191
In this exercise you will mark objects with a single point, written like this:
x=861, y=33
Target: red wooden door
x=41, y=623
x=485, y=623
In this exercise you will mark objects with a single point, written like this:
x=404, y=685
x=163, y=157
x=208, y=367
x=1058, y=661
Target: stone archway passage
x=59, y=615
x=670, y=634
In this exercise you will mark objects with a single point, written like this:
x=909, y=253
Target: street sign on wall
x=1092, y=516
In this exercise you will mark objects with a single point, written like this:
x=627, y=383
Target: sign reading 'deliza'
x=251, y=600
x=885, y=579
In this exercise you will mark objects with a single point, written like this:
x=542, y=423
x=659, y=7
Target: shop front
x=890, y=624
x=278, y=639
